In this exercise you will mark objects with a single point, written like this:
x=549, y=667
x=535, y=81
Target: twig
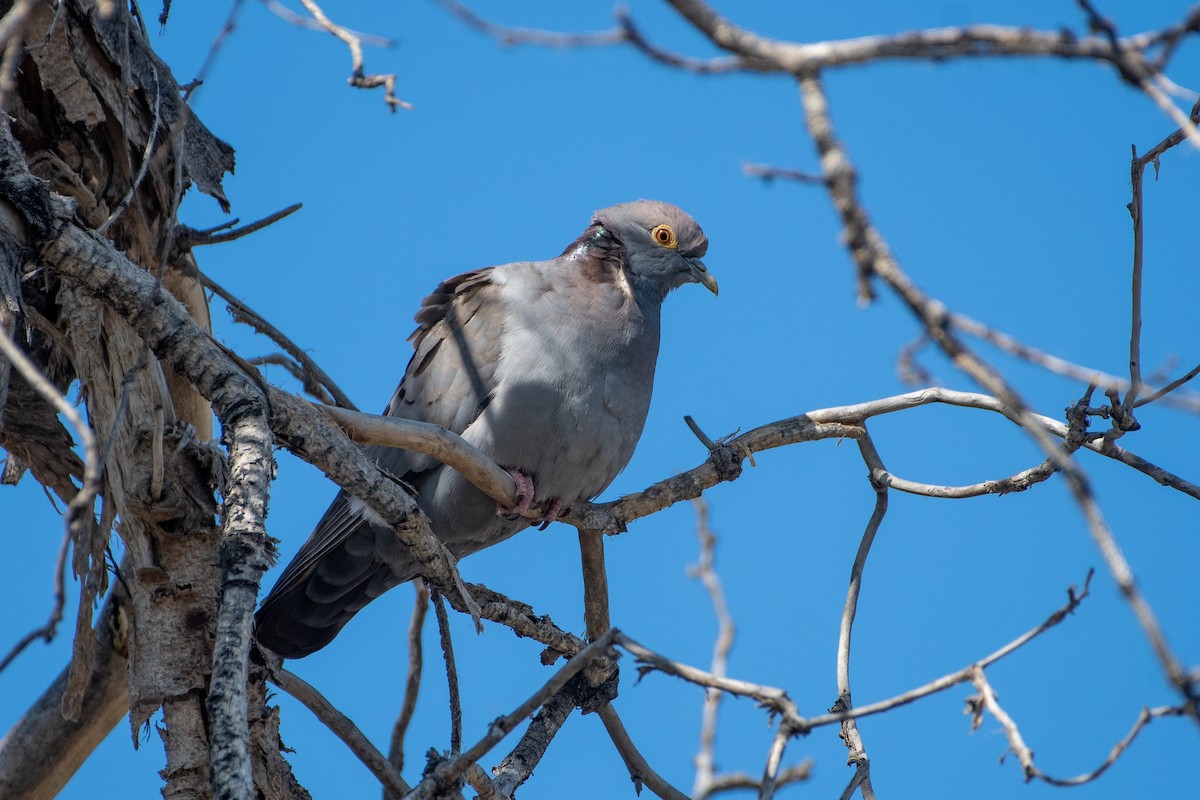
x=47, y=631
x=1170, y=387
x=308, y=23
x=834, y=423
x=451, y=769
x=218, y=41
x=519, y=764
x=771, y=698
x=344, y=729
x=595, y=583
x=987, y=700
x=433, y=440
x=521, y=619
x=698, y=433
x=1152, y=155
x=850, y=735
x=938, y=44
x=700, y=66
x=79, y=510
x=706, y=573
x=769, y=173
x=640, y=771
x=443, y=620
x=482, y=783
x=243, y=313
x=774, y=761
x=147, y=151
x=1060, y=366
x=1144, y=718
x=740, y=780
x=507, y=35
x=305, y=378
x=190, y=237
x=777, y=701
x=1136, y=170
x=353, y=41
x=872, y=257
x=412, y=684
x=1135, y=70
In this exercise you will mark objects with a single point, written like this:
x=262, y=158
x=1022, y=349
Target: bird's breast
x=571, y=397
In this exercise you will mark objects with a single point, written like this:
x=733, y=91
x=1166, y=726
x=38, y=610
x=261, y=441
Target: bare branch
x=482, y=783
x=971, y=41
x=308, y=23
x=1135, y=69
x=353, y=41
x=450, y=770
x=987, y=700
x=774, y=762
x=1135, y=325
x=42, y=750
x=700, y=66
x=305, y=378
x=243, y=313
x=433, y=440
x=740, y=780
x=777, y=701
x=521, y=619
x=850, y=735
x=769, y=173
x=79, y=510
x=344, y=729
x=519, y=764
x=1170, y=387
x=246, y=553
x=412, y=684
x=439, y=609
x=706, y=573
x=771, y=698
x=190, y=237
x=46, y=632
x=1060, y=366
x=507, y=35
x=146, y=153
x=640, y=771
x=873, y=258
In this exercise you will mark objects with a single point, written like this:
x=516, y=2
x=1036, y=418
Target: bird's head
x=660, y=245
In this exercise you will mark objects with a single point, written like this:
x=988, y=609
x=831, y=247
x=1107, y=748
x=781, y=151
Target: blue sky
x=1001, y=187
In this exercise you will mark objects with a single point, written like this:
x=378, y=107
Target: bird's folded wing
x=448, y=382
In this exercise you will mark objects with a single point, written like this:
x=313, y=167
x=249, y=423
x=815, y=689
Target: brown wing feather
x=449, y=381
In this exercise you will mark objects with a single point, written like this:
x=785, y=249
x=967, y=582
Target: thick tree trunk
x=90, y=96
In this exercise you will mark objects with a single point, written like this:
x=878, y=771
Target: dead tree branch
x=345, y=729
x=354, y=41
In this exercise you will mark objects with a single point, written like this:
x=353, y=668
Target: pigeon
x=546, y=366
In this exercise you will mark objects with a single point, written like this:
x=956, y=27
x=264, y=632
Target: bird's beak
x=701, y=275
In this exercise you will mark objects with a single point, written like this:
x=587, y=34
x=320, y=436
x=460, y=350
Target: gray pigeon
x=546, y=366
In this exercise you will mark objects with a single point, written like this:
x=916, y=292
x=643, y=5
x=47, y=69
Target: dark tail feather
x=303, y=613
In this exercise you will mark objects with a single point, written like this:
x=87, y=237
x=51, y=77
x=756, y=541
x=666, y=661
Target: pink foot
x=524, y=496
x=551, y=514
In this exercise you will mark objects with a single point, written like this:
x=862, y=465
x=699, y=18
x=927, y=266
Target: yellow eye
x=665, y=236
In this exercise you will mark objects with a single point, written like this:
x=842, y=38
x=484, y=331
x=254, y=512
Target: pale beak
x=701, y=274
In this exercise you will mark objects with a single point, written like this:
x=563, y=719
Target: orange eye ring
x=664, y=236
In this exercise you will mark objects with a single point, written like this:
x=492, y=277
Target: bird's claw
x=551, y=514
x=524, y=496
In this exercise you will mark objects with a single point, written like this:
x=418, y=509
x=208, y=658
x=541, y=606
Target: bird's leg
x=524, y=495
x=551, y=514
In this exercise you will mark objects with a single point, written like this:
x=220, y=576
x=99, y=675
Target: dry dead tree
x=99, y=287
